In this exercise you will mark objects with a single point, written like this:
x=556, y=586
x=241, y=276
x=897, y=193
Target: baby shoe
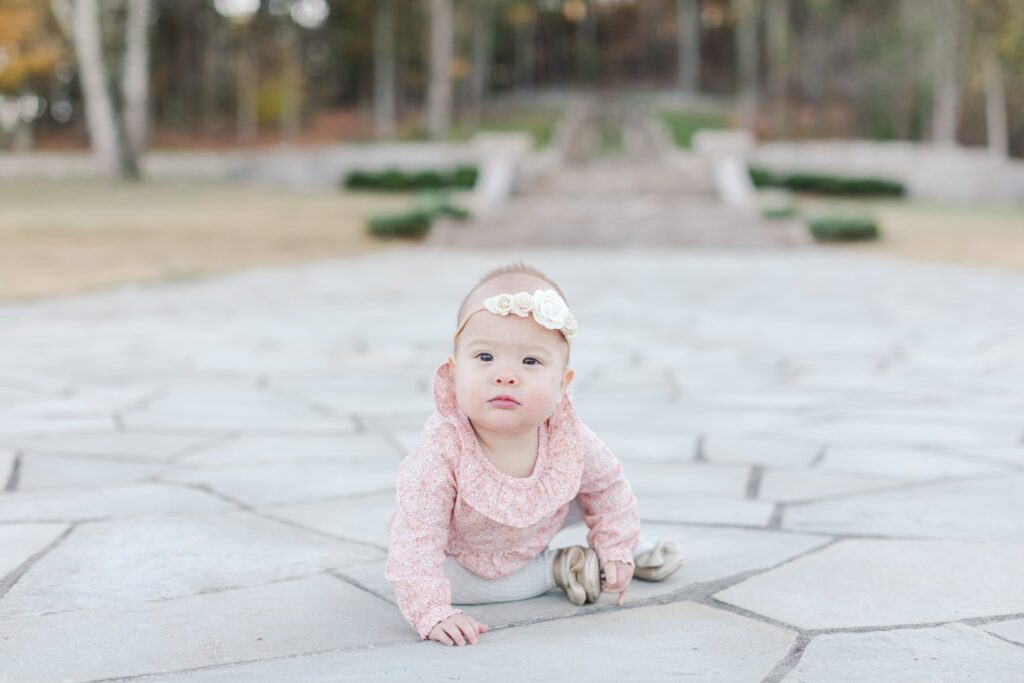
x=578, y=573
x=660, y=562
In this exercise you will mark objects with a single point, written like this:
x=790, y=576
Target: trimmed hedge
x=820, y=183
x=778, y=213
x=843, y=228
x=439, y=204
x=394, y=180
x=417, y=221
x=407, y=224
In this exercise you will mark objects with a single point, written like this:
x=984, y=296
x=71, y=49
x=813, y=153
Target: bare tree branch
x=62, y=13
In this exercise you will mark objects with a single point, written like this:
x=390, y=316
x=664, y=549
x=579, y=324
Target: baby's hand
x=617, y=576
x=458, y=629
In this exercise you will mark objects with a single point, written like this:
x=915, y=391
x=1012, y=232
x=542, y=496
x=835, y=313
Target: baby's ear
x=451, y=362
x=567, y=380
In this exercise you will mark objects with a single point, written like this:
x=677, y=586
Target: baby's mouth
x=504, y=402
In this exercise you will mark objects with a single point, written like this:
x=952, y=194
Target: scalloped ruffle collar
x=514, y=501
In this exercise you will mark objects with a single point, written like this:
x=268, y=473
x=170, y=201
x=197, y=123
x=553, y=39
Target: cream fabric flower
x=500, y=304
x=522, y=304
x=571, y=328
x=549, y=309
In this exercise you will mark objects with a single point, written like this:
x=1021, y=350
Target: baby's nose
x=506, y=377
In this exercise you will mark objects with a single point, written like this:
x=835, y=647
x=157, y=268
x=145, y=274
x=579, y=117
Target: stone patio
x=196, y=475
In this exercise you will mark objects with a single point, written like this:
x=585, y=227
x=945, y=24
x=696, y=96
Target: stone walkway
x=197, y=474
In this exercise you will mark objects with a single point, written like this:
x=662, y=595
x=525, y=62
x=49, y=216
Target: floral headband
x=547, y=307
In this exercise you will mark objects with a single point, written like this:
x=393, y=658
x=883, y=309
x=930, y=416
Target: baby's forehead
x=511, y=283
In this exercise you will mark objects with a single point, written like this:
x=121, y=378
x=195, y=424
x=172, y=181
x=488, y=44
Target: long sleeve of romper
x=419, y=533
x=609, y=505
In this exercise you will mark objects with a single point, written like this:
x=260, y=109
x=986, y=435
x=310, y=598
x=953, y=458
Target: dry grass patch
x=64, y=237
x=981, y=236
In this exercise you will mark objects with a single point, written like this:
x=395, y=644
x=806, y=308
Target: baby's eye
x=484, y=356
x=530, y=360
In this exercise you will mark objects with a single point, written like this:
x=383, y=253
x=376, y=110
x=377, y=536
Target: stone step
x=644, y=220
x=603, y=177
x=619, y=202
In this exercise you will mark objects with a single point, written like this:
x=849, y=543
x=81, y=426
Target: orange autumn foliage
x=30, y=43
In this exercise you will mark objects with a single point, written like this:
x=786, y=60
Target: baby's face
x=511, y=357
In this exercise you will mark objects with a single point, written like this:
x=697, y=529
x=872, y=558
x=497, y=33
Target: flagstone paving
x=195, y=477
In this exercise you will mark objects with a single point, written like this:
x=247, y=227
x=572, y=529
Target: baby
x=502, y=465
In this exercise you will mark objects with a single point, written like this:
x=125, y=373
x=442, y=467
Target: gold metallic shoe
x=660, y=562
x=577, y=572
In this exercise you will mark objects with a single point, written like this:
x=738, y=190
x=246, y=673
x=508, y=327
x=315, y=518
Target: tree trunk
x=483, y=49
x=746, y=40
x=62, y=13
x=587, y=50
x=649, y=13
x=104, y=119
x=22, y=138
x=247, y=122
x=214, y=71
x=526, y=48
x=777, y=37
x=384, y=68
x=688, y=18
x=944, y=113
x=293, y=83
x=995, y=103
x=439, y=95
x=135, y=79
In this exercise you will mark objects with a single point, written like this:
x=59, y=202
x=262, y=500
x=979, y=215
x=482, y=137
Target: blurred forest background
x=223, y=73
x=249, y=105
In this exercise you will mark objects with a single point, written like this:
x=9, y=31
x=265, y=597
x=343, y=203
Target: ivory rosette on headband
x=545, y=305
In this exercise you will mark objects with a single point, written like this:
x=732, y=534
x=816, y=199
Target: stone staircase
x=646, y=194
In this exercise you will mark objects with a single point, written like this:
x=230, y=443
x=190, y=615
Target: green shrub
x=876, y=186
x=762, y=177
x=393, y=180
x=439, y=204
x=820, y=183
x=778, y=213
x=389, y=181
x=417, y=221
x=464, y=176
x=453, y=211
x=843, y=228
x=358, y=180
x=426, y=179
x=413, y=223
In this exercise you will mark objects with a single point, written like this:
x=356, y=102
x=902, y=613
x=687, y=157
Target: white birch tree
x=384, y=68
x=483, y=50
x=81, y=20
x=746, y=61
x=688, y=37
x=439, y=94
x=777, y=39
x=996, y=124
x=947, y=51
x=135, y=75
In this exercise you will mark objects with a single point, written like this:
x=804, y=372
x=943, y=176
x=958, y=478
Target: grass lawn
x=985, y=236
x=684, y=124
x=59, y=237
x=539, y=123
